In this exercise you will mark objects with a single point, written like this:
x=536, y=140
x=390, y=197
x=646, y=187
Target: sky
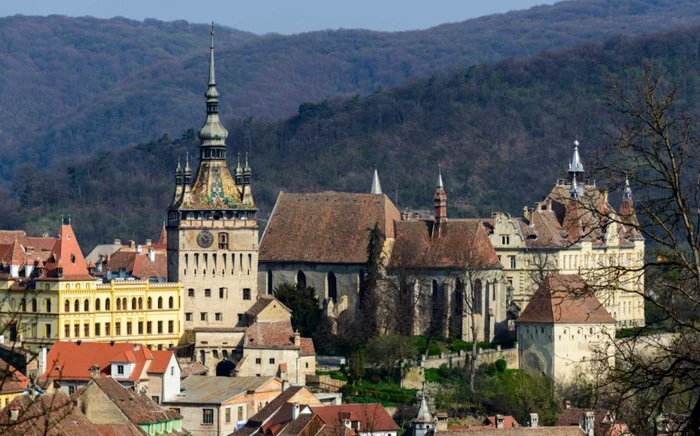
x=280, y=16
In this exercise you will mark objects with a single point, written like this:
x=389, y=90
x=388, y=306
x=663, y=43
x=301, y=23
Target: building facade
x=575, y=230
x=212, y=233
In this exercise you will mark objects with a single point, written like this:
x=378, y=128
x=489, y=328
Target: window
x=107, y=306
x=66, y=306
x=171, y=326
x=207, y=292
x=120, y=369
x=307, y=364
x=240, y=413
x=272, y=361
x=270, y=287
x=148, y=327
x=477, y=297
x=128, y=328
x=140, y=303
x=203, y=316
x=71, y=390
x=108, y=329
x=97, y=329
x=223, y=242
x=512, y=262
x=47, y=303
x=258, y=361
x=218, y=316
x=301, y=279
x=117, y=328
x=228, y=415
x=207, y=416
x=133, y=304
x=140, y=327
x=171, y=303
x=224, y=353
x=188, y=316
x=240, y=317
x=86, y=330
x=47, y=330
x=215, y=354
x=505, y=240
x=160, y=327
x=97, y=304
x=76, y=330
x=332, y=287
x=35, y=307
x=149, y=303
x=66, y=330
x=246, y=294
x=160, y=302
x=156, y=399
x=222, y=292
x=190, y=292
x=124, y=303
x=119, y=304
x=172, y=370
x=76, y=306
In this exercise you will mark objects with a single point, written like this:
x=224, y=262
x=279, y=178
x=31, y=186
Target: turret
x=239, y=172
x=376, y=186
x=575, y=165
x=440, y=203
x=247, y=189
x=247, y=171
x=424, y=424
x=179, y=181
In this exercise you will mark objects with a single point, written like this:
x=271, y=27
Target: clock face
x=205, y=239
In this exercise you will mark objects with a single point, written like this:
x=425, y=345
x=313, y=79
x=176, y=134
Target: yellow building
x=59, y=300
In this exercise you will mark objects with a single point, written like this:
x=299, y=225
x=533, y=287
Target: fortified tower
x=213, y=234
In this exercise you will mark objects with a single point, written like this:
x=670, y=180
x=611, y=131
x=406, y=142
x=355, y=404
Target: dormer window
x=120, y=369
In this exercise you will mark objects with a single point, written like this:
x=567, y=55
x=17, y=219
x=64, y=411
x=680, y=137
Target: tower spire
x=376, y=186
x=439, y=203
x=627, y=193
x=575, y=165
x=212, y=79
x=213, y=133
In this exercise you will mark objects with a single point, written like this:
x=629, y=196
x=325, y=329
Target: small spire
x=424, y=414
x=212, y=80
x=239, y=170
x=627, y=193
x=188, y=170
x=440, y=184
x=178, y=170
x=247, y=168
x=576, y=191
x=575, y=165
x=376, y=186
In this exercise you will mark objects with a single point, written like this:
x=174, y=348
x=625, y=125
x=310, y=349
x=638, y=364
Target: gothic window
x=223, y=241
x=66, y=306
x=23, y=305
x=269, y=282
x=478, y=298
x=332, y=287
x=301, y=279
x=76, y=306
x=86, y=305
x=160, y=302
x=97, y=304
x=107, y=305
x=459, y=307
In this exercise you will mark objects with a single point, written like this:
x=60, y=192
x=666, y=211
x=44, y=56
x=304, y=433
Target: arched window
x=459, y=297
x=301, y=279
x=160, y=302
x=119, y=304
x=86, y=305
x=269, y=282
x=66, y=306
x=97, y=304
x=23, y=305
x=140, y=303
x=332, y=287
x=171, y=303
x=478, y=298
x=35, y=307
x=437, y=307
x=47, y=303
x=124, y=306
x=13, y=304
x=149, y=303
x=76, y=305
x=107, y=306
x=133, y=303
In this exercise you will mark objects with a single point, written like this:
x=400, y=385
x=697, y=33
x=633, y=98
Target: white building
x=565, y=331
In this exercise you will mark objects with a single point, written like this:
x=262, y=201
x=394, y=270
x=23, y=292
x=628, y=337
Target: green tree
x=303, y=302
x=357, y=365
x=387, y=351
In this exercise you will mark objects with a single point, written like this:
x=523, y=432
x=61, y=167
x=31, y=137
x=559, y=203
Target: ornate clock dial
x=205, y=239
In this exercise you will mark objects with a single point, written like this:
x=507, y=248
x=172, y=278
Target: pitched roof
x=372, y=417
x=161, y=360
x=564, y=299
x=139, y=408
x=139, y=265
x=66, y=254
x=460, y=243
x=12, y=380
x=203, y=389
x=297, y=426
x=261, y=304
x=604, y=423
x=329, y=227
x=539, y=431
x=307, y=347
x=275, y=334
x=257, y=420
x=72, y=360
x=192, y=368
x=48, y=415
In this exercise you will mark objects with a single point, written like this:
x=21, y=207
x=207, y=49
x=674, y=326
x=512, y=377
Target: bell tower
x=212, y=232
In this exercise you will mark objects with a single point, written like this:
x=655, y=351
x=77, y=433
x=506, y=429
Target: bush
x=418, y=343
x=501, y=366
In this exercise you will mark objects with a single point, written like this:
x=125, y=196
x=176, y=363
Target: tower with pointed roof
x=376, y=186
x=440, y=204
x=212, y=233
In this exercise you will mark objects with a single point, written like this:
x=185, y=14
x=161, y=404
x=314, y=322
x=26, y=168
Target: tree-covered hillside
x=72, y=85
x=503, y=133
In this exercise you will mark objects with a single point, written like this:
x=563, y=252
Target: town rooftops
x=329, y=227
x=535, y=431
x=372, y=417
x=73, y=360
x=66, y=260
x=139, y=408
x=161, y=360
x=260, y=418
x=12, y=380
x=460, y=243
x=263, y=301
x=48, y=415
x=564, y=299
x=201, y=389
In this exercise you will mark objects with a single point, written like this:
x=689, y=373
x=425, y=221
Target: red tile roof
x=12, y=380
x=66, y=254
x=277, y=334
x=72, y=361
x=460, y=243
x=564, y=299
x=372, y=417
x=538, y=431
x=48, y=415
x=307, y=347
x=161, y=360
x=329, y=227
x=139, y=408
x=139, y=265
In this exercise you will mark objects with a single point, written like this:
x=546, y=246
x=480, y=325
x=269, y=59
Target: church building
x=212, y=237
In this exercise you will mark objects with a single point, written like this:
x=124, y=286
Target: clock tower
x=212, y=232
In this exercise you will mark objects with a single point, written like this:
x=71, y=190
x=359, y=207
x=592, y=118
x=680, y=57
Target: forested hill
x=72, y=85
x=503, y=133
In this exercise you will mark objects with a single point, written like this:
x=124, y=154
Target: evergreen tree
x=303, y=302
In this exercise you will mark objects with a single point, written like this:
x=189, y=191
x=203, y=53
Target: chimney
x=589, y=423
x=28, y=269
x=117, y=242
x=297, y=339
x=149, y=242
x=405, y=216
x=534, y=420
x=567, y=404
x=139, y=249
x=14, y=413
x=14, y=270
x=132, y=244
x=151, y=254
x=500, y=421
x=42, y=360
x=95, y=371
x=295, y=411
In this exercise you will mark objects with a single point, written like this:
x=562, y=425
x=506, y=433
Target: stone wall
x=510, y=355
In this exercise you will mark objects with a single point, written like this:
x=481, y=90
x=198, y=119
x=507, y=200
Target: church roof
x=460, y=243
x=564, y=299
x=329, y=227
